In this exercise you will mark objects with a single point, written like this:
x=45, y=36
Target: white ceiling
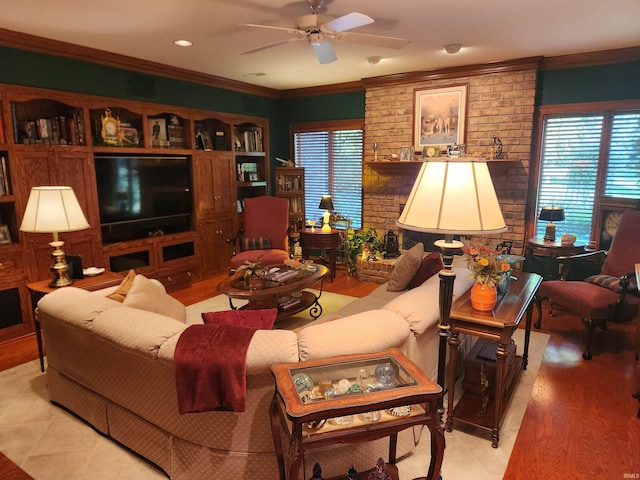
x=490, y=30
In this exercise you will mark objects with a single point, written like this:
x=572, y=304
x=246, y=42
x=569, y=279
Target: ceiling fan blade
x=324, y=52
x=348, y=21
x=264, y=47
x=270, y=27
x=375, y=40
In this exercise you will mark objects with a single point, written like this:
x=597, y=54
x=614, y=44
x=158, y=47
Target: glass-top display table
x=352, y=398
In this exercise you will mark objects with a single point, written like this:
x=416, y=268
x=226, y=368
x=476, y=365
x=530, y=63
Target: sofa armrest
x=364, y=332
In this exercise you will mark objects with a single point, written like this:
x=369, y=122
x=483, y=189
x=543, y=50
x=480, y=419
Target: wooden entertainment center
x=51, y=137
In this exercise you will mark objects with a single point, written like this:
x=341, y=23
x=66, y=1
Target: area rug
x=48, y=443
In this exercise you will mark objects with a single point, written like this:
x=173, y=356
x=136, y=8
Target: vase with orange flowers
x=487, y=269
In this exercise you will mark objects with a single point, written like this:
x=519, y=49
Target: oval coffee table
x=287, y=296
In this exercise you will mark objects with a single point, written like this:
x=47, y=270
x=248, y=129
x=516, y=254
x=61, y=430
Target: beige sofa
x=112, y=364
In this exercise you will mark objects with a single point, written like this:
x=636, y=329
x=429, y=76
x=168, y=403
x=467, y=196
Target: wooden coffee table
x=271, y=294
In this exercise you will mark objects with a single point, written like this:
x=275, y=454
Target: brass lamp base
x=550, y=232
x=59, y=268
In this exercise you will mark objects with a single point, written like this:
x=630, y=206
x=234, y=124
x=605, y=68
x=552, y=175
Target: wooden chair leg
x=591, y=325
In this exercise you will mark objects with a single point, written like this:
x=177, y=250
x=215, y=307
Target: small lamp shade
x=326, y=204
x=54, y=210
x=551, y=214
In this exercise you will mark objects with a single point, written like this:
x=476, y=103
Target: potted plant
x=254, y=273
x=364, y=240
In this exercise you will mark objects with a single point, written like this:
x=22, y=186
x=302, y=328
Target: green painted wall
x=589, y=84
x=341, y=106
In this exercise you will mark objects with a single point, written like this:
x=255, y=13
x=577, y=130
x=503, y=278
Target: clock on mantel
x=606, y=218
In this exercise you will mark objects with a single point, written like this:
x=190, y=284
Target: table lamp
x=551, y=214
x=326, y=204
x=451, y=196
x=54, y=210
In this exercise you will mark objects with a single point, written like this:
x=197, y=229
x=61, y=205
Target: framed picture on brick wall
x=439, y=116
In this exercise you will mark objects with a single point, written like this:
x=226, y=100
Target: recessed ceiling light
x=453, y=48
x=183, y=43
x=374, y=60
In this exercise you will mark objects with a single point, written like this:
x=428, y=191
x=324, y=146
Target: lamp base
x=59, y=268
x=550, y=232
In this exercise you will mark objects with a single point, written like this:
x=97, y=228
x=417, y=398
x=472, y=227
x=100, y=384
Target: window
x=585, y=155
x=331, y=155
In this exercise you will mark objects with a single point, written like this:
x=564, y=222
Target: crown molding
x=23, y=41
x=589, y=59
x=454, y=72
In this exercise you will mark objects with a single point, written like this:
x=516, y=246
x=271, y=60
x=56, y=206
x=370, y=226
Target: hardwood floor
x=580, y=421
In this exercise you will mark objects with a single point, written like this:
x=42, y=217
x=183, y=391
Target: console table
x=498, y=326
x=37, y=290
x=306, y=415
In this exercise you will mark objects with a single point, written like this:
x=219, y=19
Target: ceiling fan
x=319, y=30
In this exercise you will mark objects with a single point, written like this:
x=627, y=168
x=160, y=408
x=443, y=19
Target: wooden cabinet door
x=224, y=185
x=203, y=185
x=60, y=166
x=214, y=249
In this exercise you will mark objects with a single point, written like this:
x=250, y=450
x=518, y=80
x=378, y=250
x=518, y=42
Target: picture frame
x=440, y=116
x=157, y=130
x=5, y=235
x=253, y=177
x=608, y=211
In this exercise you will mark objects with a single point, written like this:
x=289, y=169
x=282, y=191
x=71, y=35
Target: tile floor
x=51, y=444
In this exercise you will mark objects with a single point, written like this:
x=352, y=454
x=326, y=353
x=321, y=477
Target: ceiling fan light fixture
x=316, y=39
x=453, y=48
x=183, y=43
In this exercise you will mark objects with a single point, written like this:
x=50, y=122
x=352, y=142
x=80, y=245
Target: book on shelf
x=4, y=177
x=55, y=130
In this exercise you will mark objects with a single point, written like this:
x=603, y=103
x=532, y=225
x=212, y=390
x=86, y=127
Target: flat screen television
x=142, y=196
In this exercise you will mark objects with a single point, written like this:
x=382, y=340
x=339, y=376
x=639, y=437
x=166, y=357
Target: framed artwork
x=157, y=130
x=253, y=177
x=5, y=235
x=439, y=116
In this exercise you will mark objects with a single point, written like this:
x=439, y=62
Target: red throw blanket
x=210, y=360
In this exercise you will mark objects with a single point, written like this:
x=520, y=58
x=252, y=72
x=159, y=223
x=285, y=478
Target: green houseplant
x=366, y=239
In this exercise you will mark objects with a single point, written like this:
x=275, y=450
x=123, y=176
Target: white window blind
x=332, y=159
x=583, y=156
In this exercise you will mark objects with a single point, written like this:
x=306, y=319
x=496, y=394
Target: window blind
x=583, y=156
x=332, y=159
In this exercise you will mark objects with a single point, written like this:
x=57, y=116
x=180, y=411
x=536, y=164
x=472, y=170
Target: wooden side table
x=541, y=255
x=37, y=290
x=317, y=239
x=497, y=326
x=294, y=408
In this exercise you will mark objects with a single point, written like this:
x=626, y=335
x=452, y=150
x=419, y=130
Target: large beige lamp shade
x=53, y=210
x=451, y=196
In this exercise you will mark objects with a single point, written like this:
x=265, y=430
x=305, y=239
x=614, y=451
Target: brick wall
x=499, y=103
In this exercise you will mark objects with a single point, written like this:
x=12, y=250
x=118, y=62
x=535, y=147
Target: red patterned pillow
x=260, y=319
x=430, y=265
x=606, y=281
x=255, y=243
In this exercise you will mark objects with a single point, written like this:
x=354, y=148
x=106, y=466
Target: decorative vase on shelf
x=483, y=297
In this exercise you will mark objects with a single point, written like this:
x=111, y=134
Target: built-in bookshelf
x=289, y=183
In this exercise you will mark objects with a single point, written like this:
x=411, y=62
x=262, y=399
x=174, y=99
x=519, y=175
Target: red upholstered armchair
x=265, y=233
x=611, y=295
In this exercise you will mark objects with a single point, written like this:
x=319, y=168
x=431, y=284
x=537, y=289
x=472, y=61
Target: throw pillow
x=606, y=281
x=429, y=266
x=260, y=319
x=121, y=292
x=405, y=268
x=255, y=243
x=146, y=295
